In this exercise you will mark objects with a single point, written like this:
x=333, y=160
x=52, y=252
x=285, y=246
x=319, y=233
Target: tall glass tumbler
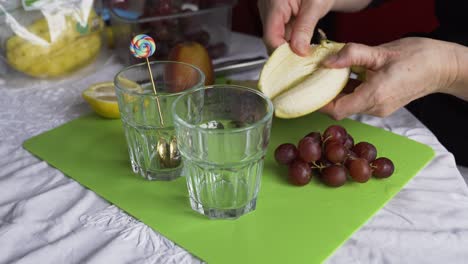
x=147, y=118
x=223, y=133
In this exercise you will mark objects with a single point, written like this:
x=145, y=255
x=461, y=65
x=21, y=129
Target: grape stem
x=317, y=166
x=326, y=139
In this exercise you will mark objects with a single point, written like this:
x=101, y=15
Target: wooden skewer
x=155, y=93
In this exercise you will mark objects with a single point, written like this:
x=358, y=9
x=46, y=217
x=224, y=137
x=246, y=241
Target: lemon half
x=102, y=99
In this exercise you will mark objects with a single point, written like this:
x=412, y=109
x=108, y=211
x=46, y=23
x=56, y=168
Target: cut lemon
x=102, y=99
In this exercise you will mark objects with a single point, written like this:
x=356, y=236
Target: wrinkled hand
x=397, y=73
x=291, y=21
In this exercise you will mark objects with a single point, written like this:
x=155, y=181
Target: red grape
x=299, y=173
x=335, y=152
x=335, y=132
x=351, y=156
x=332, y=155
x=383, y=168
x=286, y=153
x=330, y=141
x=359, y=170
x=316, y=136
x=309, y=149
x=365, y=150
x=349, y=142
x=334, y=176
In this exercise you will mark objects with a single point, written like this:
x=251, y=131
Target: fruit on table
x=301, y=85
x=300, y=173
x=334, y=175
x=286, y=153
x=192, y=53
x=349, y=142
x=102, y=99
x=365, y=150
x=310, y=150
x=382, y=167
x=74, y=48
x=316, y=136
x=331, y=156
x=335, y=133
x=359, y=170
x=335, y=152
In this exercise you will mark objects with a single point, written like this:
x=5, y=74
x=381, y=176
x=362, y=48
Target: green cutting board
x=291, y=224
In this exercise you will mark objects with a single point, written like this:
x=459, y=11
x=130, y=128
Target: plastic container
x=48, y=43
x=170, y=22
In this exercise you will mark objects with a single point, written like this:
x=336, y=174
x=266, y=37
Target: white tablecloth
x=46, y=217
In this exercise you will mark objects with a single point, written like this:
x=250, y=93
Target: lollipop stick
x=155, y=93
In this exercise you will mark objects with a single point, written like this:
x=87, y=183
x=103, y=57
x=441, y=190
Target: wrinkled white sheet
x=45, y=217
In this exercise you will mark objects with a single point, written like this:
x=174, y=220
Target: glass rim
x=268, y=116
x=144, y=64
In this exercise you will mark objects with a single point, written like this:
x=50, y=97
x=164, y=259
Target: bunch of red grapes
x=333, y=156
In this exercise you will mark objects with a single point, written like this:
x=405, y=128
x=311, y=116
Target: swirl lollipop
x=143, y=46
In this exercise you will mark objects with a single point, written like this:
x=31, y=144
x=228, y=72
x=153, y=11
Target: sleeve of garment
x=451, y=17
x=452, y=20
x=375, y=3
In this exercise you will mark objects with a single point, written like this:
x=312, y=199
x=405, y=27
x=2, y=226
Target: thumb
x=345, y=105
x=353, y=54
x=303, y=28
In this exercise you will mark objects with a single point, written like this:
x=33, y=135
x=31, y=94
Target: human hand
x=397, y=73
x=291, y=21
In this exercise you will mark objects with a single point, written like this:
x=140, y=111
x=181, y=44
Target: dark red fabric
x=245, y=18
x=389, y=21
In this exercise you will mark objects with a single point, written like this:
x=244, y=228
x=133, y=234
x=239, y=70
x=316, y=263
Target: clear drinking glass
x=223, y=133
x=147, y=118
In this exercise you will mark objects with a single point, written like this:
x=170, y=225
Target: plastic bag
x=48, y=38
